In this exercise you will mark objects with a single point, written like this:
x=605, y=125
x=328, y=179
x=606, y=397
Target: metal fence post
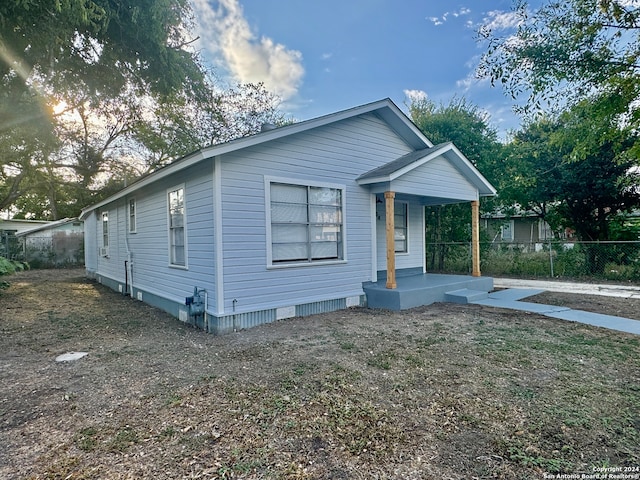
x=551, y=257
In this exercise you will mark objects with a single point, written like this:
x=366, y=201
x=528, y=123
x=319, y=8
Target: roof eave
x=385, y=109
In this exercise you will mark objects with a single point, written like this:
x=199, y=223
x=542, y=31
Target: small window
x=177, y=234
x=105, y=229
x=507, y=231
x=132, y=216
x=104, y=250
x=401, y=230
x=306, y=223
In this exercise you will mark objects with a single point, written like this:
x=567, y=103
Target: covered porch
x=437, y=175
x=414, y=290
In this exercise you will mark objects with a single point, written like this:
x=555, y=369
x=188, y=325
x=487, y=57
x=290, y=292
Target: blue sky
x=325, y=56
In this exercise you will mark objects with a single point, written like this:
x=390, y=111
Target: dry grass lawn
x=444, y=391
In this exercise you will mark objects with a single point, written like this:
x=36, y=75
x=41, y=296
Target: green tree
x=591, y=195
x=95, y=93
x=567, y=51
x=82, y=52
x=584, y=195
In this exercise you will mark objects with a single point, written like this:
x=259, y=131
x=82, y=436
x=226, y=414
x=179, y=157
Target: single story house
x=516, y=228
x=525, y=229
x=14, y=226
x=9, y=244
x=306, y=218
x=56, y=243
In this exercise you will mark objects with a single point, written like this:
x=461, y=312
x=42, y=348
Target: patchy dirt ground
x=444, y=391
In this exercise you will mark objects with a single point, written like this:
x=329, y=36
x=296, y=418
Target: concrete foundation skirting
x=235, y=321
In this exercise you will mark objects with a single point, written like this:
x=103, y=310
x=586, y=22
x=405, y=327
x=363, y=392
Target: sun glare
x=59, y=107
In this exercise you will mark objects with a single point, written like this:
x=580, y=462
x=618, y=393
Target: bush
x=8, y=267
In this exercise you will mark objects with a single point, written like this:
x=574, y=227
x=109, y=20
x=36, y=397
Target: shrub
x=7, y=267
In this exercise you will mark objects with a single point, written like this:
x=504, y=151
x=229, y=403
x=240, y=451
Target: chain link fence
x=611, y=261
x=57, y=250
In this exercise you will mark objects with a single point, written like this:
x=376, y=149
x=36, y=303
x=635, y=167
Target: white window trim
x=268, y=180
x=186, y=256
x=407, y=206
x=133, y=226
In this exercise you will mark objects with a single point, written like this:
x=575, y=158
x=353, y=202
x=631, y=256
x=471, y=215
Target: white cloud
x=226, y=34
x=445, y=16
x=499, y=20
x=415, y=95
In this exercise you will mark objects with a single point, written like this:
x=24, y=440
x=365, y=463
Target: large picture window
x=306, y=223
x=176, y=227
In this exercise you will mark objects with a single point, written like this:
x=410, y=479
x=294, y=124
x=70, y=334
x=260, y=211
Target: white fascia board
x=406, y=122
x=370, y=181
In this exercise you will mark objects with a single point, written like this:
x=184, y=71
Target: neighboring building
x=9, y=245
x=287, y=222
x=526, y=229
x=520, y=228
x=16, y=226
x=54, y=243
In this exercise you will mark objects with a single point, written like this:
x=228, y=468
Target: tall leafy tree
x=79, y=51
x=567, y=51
x=585, y=195
x=94, y=93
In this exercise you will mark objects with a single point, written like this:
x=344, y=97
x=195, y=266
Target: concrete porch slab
x=417, y=290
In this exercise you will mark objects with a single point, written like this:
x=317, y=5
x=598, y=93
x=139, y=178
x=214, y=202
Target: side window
x=104, y=250
x=401, y=229
x=177, y=234
x=132, y=216
x=105, y=229
x=306, y=223
x=507, y=231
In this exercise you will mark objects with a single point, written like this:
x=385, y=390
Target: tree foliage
x=567, y=51
x=572, y=46
x=586, y=195
x=95, y=93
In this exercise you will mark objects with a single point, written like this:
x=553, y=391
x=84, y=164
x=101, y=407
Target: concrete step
x=465, y=295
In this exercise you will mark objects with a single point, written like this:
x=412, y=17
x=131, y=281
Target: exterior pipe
x=126, y=279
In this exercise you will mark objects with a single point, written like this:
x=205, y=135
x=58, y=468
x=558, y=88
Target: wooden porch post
x=475, y=238
x=391, y=249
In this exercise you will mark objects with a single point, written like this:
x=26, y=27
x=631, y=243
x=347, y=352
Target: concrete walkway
x=511, y=298
x=627, y=291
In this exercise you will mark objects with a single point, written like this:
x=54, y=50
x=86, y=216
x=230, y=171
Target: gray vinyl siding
x=412, y=259
x=436, y=178
x=149, y=245
x=336, y=154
